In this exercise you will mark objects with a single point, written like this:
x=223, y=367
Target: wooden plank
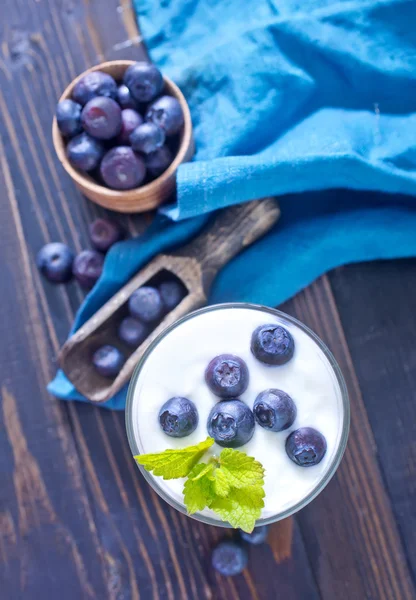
x=350, y=531
x=382, y=346
x=78, y=519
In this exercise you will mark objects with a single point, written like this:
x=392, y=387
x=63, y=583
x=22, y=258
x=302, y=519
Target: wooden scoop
x=195, y=265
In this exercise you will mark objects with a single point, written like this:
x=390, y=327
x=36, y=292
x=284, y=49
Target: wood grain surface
x=76, y=518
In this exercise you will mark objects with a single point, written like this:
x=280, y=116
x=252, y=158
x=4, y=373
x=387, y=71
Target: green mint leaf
x=198, y=489
x=241, y=508
x=221, y=483
x=174, y=463
x=241, y=470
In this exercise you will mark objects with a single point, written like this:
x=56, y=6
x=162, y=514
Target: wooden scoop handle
x=232, y=230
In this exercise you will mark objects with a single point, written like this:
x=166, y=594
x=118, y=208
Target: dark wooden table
x=76, y=518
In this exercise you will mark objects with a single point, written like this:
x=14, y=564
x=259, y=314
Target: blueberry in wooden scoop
x=132, y=331
x=108, y=361
x=227, y=376
x=146, y=304
x=172, y=292
x=272, y=344
x=306, y=446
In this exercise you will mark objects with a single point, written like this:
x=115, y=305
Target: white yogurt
x=176, y=367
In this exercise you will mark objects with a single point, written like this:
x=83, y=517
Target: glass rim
x=338, y=454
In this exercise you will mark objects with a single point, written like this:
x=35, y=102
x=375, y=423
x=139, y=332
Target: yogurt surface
x=176, y=367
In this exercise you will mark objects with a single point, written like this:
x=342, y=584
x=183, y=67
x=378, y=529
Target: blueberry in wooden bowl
x=161, y=166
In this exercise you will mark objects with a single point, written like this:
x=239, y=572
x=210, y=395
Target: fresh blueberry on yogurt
x=272, y=344
x=231, y=423
x=274, y=410
x=227, y=376
x=178, y=417
x=306, y=446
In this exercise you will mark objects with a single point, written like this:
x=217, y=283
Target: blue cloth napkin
x=292, y=99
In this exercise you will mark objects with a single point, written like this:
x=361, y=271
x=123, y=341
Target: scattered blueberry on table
x=229, y=558
x=55, y=261
x=104, y=233
x=87, y=268
x=108, y=361
x=231, y=423
x=274, y=410
x=257, y=536
x=227, y=376
x=132, y=120
x=178, y=417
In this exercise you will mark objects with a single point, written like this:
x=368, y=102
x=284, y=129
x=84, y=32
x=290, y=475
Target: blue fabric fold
x=291, y=99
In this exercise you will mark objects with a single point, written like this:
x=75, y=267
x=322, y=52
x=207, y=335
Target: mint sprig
x=231, y=484
x=174, y=463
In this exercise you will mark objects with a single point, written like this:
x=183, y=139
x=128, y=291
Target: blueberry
x=272, y=344
x=94, y=84
x=55, y=262
x=84, y=152
x=130, y=119
x=178, y=417
x=172, y=292
x=231, y=423
x=229, y=558
x=122, y=169
x=124, y=98
x=146, y=304
x=104, y=233
x=68, y=116
x=166, y=112
x=257, y=536
x=274, y=410
x=147, y=138
x=144, y=81
x=227, y=376
x=132, y=332
x=158, y=161
x=306, y=446
x=87, y=268
x=108, y=361
x=101, y=118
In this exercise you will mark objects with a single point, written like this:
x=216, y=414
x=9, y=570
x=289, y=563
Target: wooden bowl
x=139, y=199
